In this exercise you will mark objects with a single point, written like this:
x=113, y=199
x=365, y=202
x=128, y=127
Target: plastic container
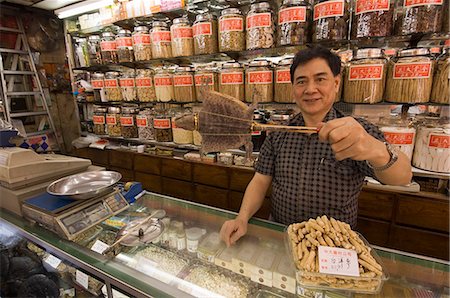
x=161, y=40
x=112, y=89
x=372, y=18
x=98, y=83
x=144, y=122
x=232, y=80
x=209, y=247
x=142, y=44
x=95, y=56
x=125, y=52
x=99, y=120
x=206, y=76
x=164, y=85
x=400, y=133
x=162, y=127
x=231, y=30
x=183, y=85
x=294, y=22
x=283, y=84
x=260, y=27
x=128, y=85
x=205, y=34
x=108, y=48
x=113, y=122
x=193, y=236
x=182, y=38
x=441, y=91
x=128, y=125
x=259, y=82
x=180, y=135
x=145, y=89
x=418, y=16
x=331, y=20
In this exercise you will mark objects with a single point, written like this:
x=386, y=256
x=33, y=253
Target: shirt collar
x=298, y=120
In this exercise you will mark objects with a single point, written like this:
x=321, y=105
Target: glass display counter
x=182, y=255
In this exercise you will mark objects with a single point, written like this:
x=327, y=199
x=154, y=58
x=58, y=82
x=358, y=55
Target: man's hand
x=232, y=230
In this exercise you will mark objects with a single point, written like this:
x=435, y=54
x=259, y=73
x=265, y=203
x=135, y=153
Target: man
x=320, y=173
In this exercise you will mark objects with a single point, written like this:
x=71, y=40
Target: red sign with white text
x=141, y=121
x=283, y=76
x=126, y=82
x=292, y=15
x=411, y=3
x=143, y=39
x=183, y=81
x=412, y=70
x=124, y=42
x=231, y=24
x=163, y=81
x=399, y=138
x=97, y=84
x=333, y=8
x=161, y=123
x=162, y=36
x=204, y=79
x=363, y=6
x=183, y=32
x=111, y=119
x=108, y=46
x=439, y=141
x=97, y=119
x=202, y=29
x=143, y=82
x=260, y=77
x=259, y=20
x=365, y=72
x=232, y=78
x=111, y=83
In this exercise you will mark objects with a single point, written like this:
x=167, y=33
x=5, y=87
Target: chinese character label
x=365, y=72
x=412, y=70
x=411, y=3
x=439, y=141
x=399, y=138
x=334, y=260
x=231, y=24
x=292, y=14
x=259, y=20
x=364, y=6
x=334, y=8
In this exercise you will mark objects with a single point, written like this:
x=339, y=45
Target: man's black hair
x=313, y=52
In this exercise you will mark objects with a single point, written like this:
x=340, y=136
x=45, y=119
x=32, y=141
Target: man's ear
x=337, y=81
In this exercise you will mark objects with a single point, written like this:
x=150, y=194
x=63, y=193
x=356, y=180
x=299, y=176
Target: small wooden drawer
x=121, y=159
x=147, y=164
x=176, y=169
x=211, y=175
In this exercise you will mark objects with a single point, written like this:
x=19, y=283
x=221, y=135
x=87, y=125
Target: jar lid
x=141, y=28
x=280, y=117
x=231, y=11
x=114, y=110
x=108, y=34
x=204, y=17
x=261, y=5
x=159, y=24
x=368, y=53
x=183, y=69
x=98, y=75
x=294, y=2
x=128, y=74
x=259, y=63
x=124, y=31
x=286, y=62
x=100, y=110
x=180, y=21
x=231, y=65
x=112, y=74
x=93, y=37
x=130, y=110
x=413, y=52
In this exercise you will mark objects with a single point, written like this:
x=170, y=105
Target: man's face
x=315, y=87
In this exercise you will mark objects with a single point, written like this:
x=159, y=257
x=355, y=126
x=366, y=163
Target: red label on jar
x=124, y=42
x=143, y=82
x=183, y=81
x=98, y=119
x=256, y=133
x=161, y=123
x=259, y=20
x=97, y=84
x=126, y=121
x=363, y=6
x=412, y=70
x=111, y=83
x=111, y=119
x=141, y=39
x=141, y=121
x=260, y=77
x=202, y=29
x=108, y=45
x=365, y=72
x=231, y=24
x=283, y=76
x=399, y=138
x=410, y=3
x=162, y=36
x=183, y=32
x=334, y=8
x=390, y=52
x=163, y=81
x=204, y=79
x=447, y=42
x=435, y=50
x=292, y=15
x=439, y=141
x=231, y=78
x=126, y=82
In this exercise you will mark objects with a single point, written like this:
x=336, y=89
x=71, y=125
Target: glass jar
x=142, y=44
x=99, y=120
x=410, y=77
x=182, y=38
x=145, y=90
x=441, y=91
x=144, y=122
x=161, y=40
x=113, y=122
x=206, y=76
x=283, y=84
x=232, y=80
x=95, y=57
x=81, y=52
x=331, y=18
x=365, y=77
x=204, y=31
x=372, y=18
x=280, y=117
x=180, y=135
x=345, y=55
x=418, y=16
x=112, y=89
x=98, y=83
x=128, y=122
x=294, y=20
x=259, y=82
x=128, y=85
x=197, y=138
x=124, y=44
x=162, y=127
x=231, y=30
x=108, y=48
x=260, y=27
x=258, y=137
x=183, y=85
x=164, y=85
x=399, y=133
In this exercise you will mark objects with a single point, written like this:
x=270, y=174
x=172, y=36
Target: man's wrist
x=387, y=158
x=381, y=157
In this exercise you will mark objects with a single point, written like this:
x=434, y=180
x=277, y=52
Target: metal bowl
x=85, y=185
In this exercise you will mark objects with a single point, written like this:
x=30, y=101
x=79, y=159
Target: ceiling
x=43, y=4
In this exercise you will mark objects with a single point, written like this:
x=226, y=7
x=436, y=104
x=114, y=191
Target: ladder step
x=18, y=72
x=6, y=29
x=36, y=133
x=25, y=114
x=24, y=93
x=4, y=50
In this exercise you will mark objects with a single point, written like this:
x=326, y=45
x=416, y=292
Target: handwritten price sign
x=334, y=260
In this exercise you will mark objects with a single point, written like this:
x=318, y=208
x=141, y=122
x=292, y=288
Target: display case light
x=82, y=7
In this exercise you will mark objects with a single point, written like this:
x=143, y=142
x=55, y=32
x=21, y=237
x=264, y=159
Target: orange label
x=447, y=42
x=260, y=77
x=365, y=72
x=126, y=82
x=97, y=84
x=183, y=81
x=256, y=133
x=161, y=123
x=124, y=42
x=126, y=121
x=283, y=76
x=259, y=20
x=111, y=83
x=231, y=78
x=435, y=50
x=411, y=3
x=390, y=52
x=183, y=32
x=202, y=29
x=141, y=39
x=141, y=121
x=111, y=119
x=163, y=81
x=399, y=138
x=412, y=70
x=108, y=45
x=231, y=24
x=292, y=15
x=98, y=119
x=363, y=6
x=201, y=79
x=333, y=8
x=162, y=36
x=143, y=82
x=439, y=141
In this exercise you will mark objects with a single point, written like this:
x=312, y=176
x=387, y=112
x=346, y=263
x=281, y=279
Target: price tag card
x=334, y=260
x=52, y=261
x=99, y=246
x=82, y=278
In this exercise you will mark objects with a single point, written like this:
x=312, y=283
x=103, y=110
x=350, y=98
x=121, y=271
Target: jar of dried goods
x=182, y=38
x=280, y=117
x=144, y=121
x=410, y=76
x=345, y=55
x=145, y=90
x=183, y=85
x=258, y=137
x=231, y=30
x=418, y=16
x=161, y=40
x=206, y=77
x=164, y=85
x=124, y=43
x=372, y=18
x=108, y=48
x=128, y=122
x=232, y=80
x=95, y=56
x=99, y=120
x=162, y=127
x=260, y=27
x=98, y=83
x=180, y=135
x=365, y=77
x=142, y=44
x=81, y=53
x=441, y=81
x=259, y=82
x=113, y=122
x=112, y=89
x=331, y=18
x=128, y=85
x=294, y=22
x=400, y=133
x=205, y=34
x=283, y=84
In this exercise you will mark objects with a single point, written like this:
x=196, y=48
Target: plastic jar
x=294, y=20
x=372, y=18
x=204, y=31
x=193, y=237
x=232, y=80
x=112, y=89
x=144, y=122
x=182, y=38
x=98, y=83
x=183, y=85
x=162, y=127
x=99, y=120
x=206, y=76
x=260, y=27
x=142, y=44
x=365, y=77
x=128, y=122
x=410, y=76
x=164, y=85
x=441, y=91
x=259, y=82
x=418, y=16
x=113, y=122
x=400, y=133
x=145, y=90
x=330, y=20
x=283, y=84
x=180, y=135
x=95, y=56
x=124, y=43
x=231, y=30
x=161, y=40
x=128, y=85
x=108, y=48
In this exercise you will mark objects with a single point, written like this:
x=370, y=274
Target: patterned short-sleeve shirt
x=307, y=180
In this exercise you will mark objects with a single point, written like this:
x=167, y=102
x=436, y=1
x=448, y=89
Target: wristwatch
x=393, y=154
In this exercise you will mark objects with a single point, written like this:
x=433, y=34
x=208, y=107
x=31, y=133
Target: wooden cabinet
x=121, y=159
x=375, y=231
x=376, y=205
x=176, y=169
x=177, y=188
x=211, y=175
x=147, y=164
x=149, y=182
x=239, y=179
x=211, y=196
